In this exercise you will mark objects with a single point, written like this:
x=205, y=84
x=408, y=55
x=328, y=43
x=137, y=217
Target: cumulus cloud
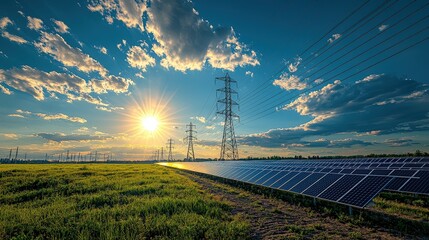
x=34, y=23
x=191, y=42
x=55, y=46
x=183, y=39
x=339, y=108
x=61, y=137
x=130, y=12
x=35, y=82
x=138, y=58
x=249, y=73
x=334, y=37
x=41, y=84
x=287, y=81
x=60, y=26
x=13, y=38
x=4, y=22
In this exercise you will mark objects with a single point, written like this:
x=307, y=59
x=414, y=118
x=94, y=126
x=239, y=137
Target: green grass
x=403, y=205
x=107, y=201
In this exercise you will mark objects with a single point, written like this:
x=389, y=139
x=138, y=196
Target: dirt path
x=277, y=219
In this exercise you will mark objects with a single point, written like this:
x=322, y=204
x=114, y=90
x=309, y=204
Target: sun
x=150, y=123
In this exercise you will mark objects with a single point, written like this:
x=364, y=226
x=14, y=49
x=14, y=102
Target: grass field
x=107, y=201
x=142, y=201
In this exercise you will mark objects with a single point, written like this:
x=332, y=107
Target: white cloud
x=109, y=109
x=36, y=82
x=370, y=78
x=138, y=58
x=4, y=22
x=16, y=115
x=293, y=67
x=111, y=83
x=60, y=116
x=5, y=90
x=249, y=73
x=290, y=82
x=129, y=12
x=61, y=27
x=200, y=119
x=34, y=23
x=14, y=38
x=383, y=27
x=185, y=44
x=44, y=116
x=103, y=50
x=41, y=84
x=334, y=37
x=57, y=47
x=191, y=42
x=12, y=136
x=83, y=129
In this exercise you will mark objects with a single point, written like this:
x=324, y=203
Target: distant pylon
x=190, y=155
x=170, y=149
x=229, y=150
x=16, y=154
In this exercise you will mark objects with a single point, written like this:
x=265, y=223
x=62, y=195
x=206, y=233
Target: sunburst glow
x=150, y=123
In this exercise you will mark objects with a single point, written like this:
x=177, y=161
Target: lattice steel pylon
x=170, y=149
x=229, y=150
x=190, y=155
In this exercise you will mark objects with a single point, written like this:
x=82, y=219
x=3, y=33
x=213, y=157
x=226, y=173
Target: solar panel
x=307, y=182
x=417, y=185
x=341, y=187
x=293, y=181
x=352, y=182
x=365, y=191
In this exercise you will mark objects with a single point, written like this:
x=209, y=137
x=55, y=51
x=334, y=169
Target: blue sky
x=81, y=75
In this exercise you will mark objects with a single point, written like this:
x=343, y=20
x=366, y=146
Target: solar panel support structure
x=229, y=150
x=190, y=155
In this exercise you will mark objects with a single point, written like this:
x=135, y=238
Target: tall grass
x=106, y=201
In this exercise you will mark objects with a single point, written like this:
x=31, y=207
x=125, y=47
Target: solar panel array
x=353, y=182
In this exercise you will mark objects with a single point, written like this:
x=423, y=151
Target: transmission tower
x=170, y=149
x=229, y=150
x=190, y=139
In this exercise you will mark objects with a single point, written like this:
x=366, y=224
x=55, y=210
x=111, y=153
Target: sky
x=313, y=77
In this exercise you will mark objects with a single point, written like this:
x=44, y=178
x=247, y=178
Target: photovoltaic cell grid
x=353, y=182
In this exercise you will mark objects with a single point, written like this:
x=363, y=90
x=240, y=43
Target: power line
x=309, y=47
x=365, y=18
x=348, y=77
x=270, y=98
